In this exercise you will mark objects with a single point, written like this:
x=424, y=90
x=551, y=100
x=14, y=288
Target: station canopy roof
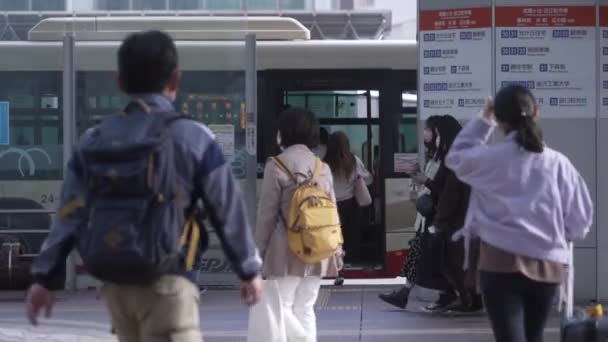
x=320, y=25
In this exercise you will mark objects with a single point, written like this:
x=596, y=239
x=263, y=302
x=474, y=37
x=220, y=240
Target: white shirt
x=345, y=188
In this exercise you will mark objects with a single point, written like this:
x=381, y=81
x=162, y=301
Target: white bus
x=365, y=88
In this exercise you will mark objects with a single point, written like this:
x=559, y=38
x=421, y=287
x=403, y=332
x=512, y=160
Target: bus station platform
x=344, y=314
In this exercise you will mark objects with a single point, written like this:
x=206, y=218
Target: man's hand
x=251, y=291
x=38, y=298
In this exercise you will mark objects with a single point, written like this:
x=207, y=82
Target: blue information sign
x=4, y=124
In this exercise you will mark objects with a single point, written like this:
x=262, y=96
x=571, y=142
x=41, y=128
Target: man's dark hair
x=146, y=61
x=298, y=126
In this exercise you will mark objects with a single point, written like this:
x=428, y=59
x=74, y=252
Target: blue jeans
x=518, y=307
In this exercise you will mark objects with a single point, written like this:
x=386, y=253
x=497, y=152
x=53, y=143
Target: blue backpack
x=137, y=226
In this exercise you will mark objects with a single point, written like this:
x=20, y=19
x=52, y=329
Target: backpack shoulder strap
x=318, y=168
x=284, y=168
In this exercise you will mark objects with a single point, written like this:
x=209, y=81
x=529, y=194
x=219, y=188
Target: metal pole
x=251, y=99
x=419, y=119
x=598, y=151
x=69, y=127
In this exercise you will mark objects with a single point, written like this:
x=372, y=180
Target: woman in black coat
x=418, y=269
x=450, y=213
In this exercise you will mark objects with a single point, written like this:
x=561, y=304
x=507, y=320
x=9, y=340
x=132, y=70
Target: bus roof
x=192, y=28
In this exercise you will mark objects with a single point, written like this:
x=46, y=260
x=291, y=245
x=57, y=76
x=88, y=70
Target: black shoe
x=397, y=298
x=445, y=300
x=468, y=305
x=476, y=303
x=339, y=281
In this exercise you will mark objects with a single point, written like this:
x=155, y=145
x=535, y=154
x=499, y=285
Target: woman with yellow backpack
x=298, y=232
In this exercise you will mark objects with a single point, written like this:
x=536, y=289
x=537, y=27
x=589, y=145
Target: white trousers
x=286, y=312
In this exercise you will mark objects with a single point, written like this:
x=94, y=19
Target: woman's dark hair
x=514, y=107
x=298, y=126
x=340, y=159
x=324, y=136
x=448, y=128
x=431, y=121
x=146, y=61
x=431, y=124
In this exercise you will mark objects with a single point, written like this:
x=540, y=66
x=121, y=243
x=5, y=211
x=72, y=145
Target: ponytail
x=529, y=136
x=515, y=107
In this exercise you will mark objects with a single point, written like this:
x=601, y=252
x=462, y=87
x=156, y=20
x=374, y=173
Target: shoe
x=339, y=281
x=458, y=307
x=445, y=300
x=396, y=298
x=477, y=303
x=471, y=304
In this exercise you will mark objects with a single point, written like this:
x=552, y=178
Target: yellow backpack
x=313, y=224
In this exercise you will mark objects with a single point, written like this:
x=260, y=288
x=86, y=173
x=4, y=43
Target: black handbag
x=425, y=205
x=429, y=268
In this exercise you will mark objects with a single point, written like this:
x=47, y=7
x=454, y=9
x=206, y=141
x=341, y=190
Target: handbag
x=425, y=205
x=266, y=319
x=429, y=269
x=362, y=194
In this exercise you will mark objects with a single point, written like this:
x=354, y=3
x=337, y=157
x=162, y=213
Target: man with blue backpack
x=133, y=191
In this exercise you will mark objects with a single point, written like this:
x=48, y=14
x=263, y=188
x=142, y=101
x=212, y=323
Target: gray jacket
x=206, y=175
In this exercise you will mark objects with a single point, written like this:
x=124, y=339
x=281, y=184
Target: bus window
x=336, y=104
x=35, y=151
x=215, y=98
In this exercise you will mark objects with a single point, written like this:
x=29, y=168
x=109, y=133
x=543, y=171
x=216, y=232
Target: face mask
x=437, y=141
x=279, y=141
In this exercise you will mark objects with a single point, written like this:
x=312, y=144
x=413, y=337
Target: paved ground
x=350, y=313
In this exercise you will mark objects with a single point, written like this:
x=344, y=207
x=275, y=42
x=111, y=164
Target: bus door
x=354, y=102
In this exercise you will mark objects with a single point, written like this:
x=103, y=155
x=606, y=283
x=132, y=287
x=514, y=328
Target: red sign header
x=542, y=16
x=453, y=19
x=604, y=16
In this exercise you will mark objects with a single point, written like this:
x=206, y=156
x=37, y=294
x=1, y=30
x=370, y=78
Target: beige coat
x=271, y=234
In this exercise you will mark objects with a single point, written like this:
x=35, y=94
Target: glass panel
x=410, y=99
x=35, y=151
x=336, y=104
x=50, y=135
x=112, y=5
x=262, y=5
x=408, y=137
x=296, y=101
x=224, y=4
x=293, y=4
x=97, y=97
x=22, y=135
x=184, y=4
x=218, y=102
x=408, y=130
x=13, y=5
x=149, y=5
x=48, y=5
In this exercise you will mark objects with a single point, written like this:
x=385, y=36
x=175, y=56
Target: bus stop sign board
x=4, y=123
